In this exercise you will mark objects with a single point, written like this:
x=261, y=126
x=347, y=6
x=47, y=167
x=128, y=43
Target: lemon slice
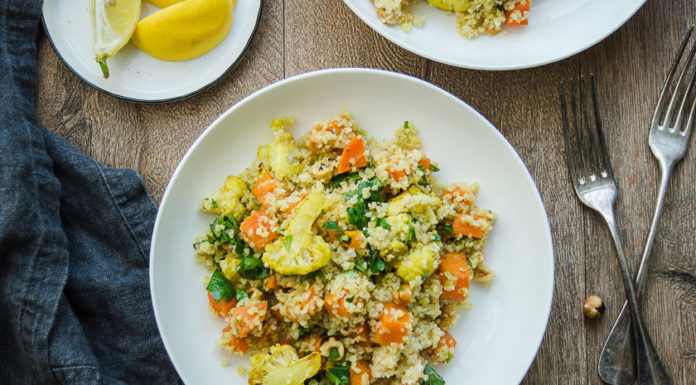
x=163, y=3
x=113, y=24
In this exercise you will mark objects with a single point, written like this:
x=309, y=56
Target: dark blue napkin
x=74, y=242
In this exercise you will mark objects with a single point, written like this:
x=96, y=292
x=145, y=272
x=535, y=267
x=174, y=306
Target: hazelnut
x=402, y=295
x=593, y=307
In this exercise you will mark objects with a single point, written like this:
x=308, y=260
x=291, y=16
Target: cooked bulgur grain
x=326, y=274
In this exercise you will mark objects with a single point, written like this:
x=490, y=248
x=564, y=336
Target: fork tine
x=675, y=64
x=692, y=117
x=571, y=146
x=604, y=154
x=685, y=97
x=677, y=88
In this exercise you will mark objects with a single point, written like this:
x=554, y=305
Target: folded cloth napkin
x=74, y=243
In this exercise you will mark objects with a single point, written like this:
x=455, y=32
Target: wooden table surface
x=296, y=36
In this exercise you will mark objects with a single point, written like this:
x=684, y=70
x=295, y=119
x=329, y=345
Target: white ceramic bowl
x=498, y=338
x=134, y=75
x=557, y=29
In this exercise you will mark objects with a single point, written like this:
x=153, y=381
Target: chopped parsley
x=447, y=229
x=339, y=374
x=350, y=299
x=220, y=288
x=333, y=354
x=449, y=357
x=252, y=268
x=373, y=265
x=331, y=225
x=303, y=331
x=357, y=214
x=341, y=236
x=434, y=168
x=226, y=230
x=406, y=124
x=437, y=238
x=241, y=294
x=381, y=222
x=433, y=377
x=213, y=203
x=315, y=274
x=288, y=241
x=336, y=180
x=411, y=235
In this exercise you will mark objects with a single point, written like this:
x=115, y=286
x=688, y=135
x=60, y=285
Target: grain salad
x=474, y=17
x=338, y=259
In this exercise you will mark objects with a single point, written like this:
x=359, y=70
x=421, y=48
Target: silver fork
x=668, y=143
x=594, y=184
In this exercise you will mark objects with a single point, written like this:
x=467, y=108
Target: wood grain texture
x=297, y=36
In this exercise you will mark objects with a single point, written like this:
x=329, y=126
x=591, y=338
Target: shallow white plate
x=556, y=30
x=135, y=75
x=498, y=338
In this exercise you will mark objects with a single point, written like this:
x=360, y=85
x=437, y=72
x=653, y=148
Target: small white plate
x=557, y=29
x=135, y=75
x=498, y=338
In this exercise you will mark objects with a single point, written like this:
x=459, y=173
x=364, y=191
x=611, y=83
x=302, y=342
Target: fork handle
x=651, y=370
x=617, y=362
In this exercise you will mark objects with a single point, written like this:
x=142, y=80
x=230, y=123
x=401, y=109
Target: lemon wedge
x=113, y=23
x=184, y=30
x=163, y=3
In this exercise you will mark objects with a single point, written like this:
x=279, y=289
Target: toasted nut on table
x=593, y=307
x=332, y=343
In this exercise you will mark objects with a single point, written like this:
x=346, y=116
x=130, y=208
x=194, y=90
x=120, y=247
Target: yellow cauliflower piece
x=451, y=5
x=300, y=251
x=282, y=366
x=228, y=199
x=281, y=155
x=419, y=263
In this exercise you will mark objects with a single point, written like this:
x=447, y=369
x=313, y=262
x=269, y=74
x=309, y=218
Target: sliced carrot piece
x=394, y=325
x=264, y=186
x=456, y=195
x=336, y=305
x=456, y=266
x=353, y=155
x=360, y=373
x=259, y=228
x=444, y=349
x=512, y=16
x=425, y=162
x=298, y=309
x=463, y=226
x=357, y=238
x=395, y=174
x=292, y=206
x=222, y=307
x=361, y=335
x=271, y=283
x=234, y=343
x=247, y=318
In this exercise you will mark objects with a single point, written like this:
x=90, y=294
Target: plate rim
x=344, y=70
x=541, y=63
x=162, y=100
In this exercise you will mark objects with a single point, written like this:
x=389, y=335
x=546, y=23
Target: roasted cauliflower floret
x=282, y=366
x=451, y=5
x=415, y=201
x=300, y=251
x=228, y=199
x=419, y=263
x=281, y=155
